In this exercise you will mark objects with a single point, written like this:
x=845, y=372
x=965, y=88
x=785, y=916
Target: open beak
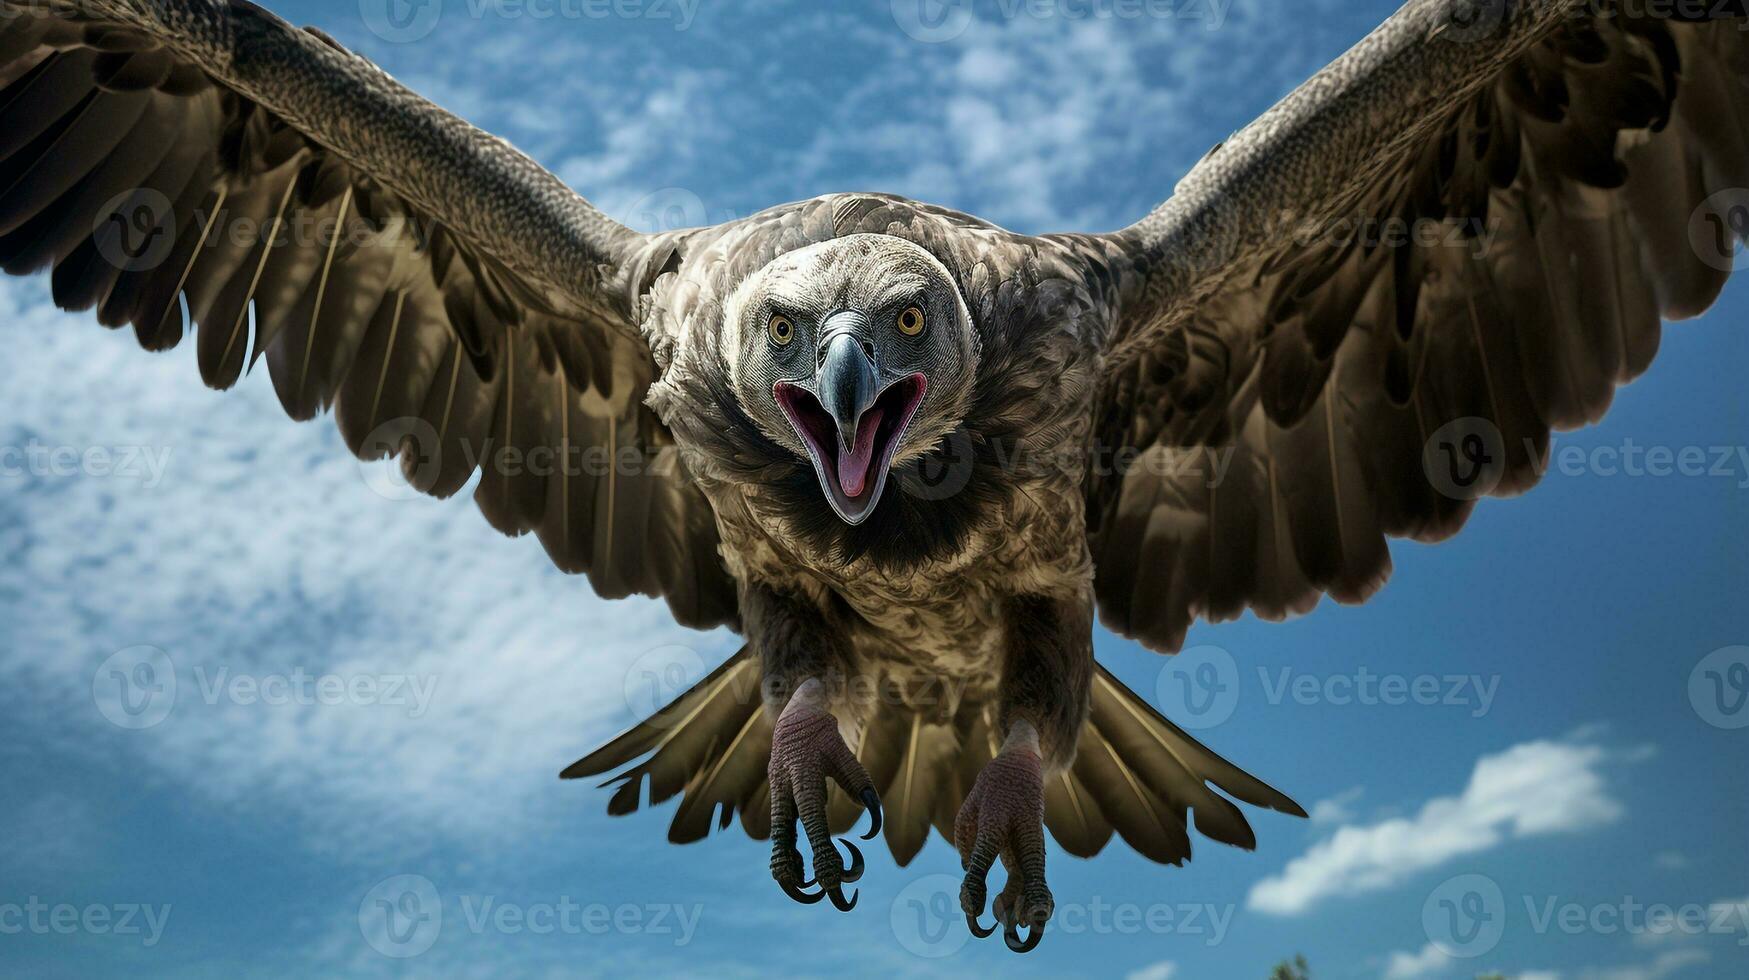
x=850, y=426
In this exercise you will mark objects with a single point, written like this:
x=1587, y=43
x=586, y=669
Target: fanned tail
x=1136, y=774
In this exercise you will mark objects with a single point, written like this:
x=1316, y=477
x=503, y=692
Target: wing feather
x=1484, y=237
x=452, y=302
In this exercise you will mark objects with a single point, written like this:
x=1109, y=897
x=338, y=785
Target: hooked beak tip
x=847, y=385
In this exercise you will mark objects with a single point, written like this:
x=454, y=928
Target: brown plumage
x=1456, y=224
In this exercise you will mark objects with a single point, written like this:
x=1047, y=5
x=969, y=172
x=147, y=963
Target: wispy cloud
x=258, y=559
x=1338, y=809
x=1529, y=790
x=1163, y=970
x=1660, y=967
x=1427, y=962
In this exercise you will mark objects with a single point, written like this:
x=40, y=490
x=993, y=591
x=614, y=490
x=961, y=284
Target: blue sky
x=1557, y=761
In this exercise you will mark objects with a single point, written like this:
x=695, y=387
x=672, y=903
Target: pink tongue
x=853, y=464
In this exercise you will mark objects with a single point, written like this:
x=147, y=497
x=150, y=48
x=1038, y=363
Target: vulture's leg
x=797, y=655
x=1044, y=700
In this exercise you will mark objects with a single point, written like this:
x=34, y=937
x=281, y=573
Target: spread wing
x=204, y=163
x=1371, y=306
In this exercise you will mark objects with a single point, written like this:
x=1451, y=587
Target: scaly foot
x=805, y=749
x=1004, y=815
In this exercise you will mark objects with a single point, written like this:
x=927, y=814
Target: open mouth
x=852, y=471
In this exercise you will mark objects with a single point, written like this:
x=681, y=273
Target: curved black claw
x=806, y=898
x=838, y=901
x=850, y=876
x=982, y=932
x=872, y=801
x=1011, y=936
x=854, y=872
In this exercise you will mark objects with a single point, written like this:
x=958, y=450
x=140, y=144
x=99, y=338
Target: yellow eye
x=911, y=321
x=781, y=329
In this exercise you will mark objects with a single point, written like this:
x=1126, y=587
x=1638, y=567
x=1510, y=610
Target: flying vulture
x=906, y=453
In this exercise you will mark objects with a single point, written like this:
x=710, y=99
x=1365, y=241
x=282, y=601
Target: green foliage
x=1295, y=970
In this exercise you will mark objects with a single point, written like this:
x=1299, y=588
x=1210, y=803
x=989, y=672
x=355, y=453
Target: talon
x=806, y=898
x=982, y=932
x=1011, y=936
x=837, y=894
x=872, y=801
x=854, y=872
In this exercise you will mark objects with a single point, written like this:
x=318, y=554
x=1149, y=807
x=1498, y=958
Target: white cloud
x=1163, y=970
x=263, y=551
x=1664, y=965
x=1336, y=809
x=1412, y=966
x=1532, y=789
x=1659, y=968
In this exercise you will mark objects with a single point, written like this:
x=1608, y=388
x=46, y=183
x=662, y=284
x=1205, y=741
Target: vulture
x=909, y=455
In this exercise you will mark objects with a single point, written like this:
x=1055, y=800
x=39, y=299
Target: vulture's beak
x=850, y=422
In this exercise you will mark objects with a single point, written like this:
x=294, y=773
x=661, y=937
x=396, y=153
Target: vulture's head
x=855, y=354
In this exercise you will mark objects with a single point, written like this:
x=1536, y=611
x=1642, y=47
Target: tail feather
x=1176, y=768
x=1136, y=774
x=756, y=814
x=1073, y=815
x=731, y=778
x=1141, y=818
x=712, y=743
x=909, y=799
x=1148, y=734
